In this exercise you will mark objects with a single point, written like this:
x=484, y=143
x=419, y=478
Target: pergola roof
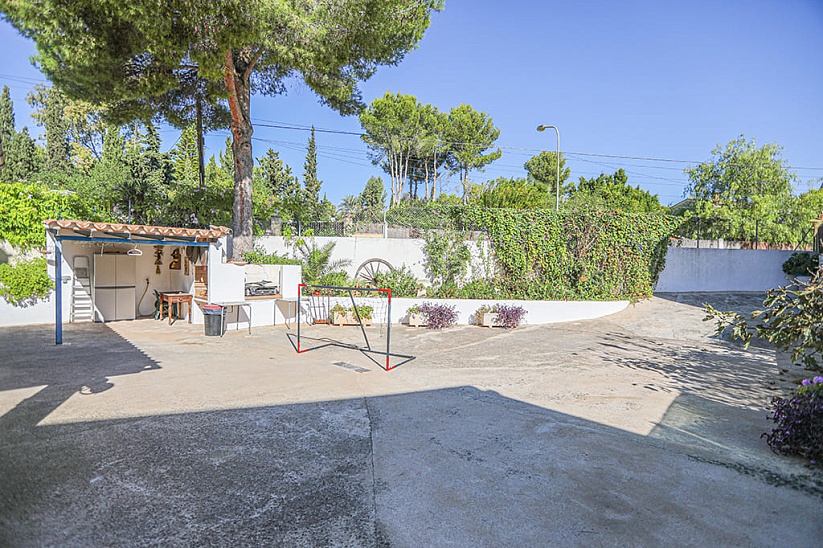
x=195, y=234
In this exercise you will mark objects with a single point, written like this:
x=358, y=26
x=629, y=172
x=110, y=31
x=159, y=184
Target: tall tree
x=543, y=169
x=349, y=206
x=6, y=124
x=23, y=158
x=746, y=187
x=373, y=197
x=143, y=192
x=284, y=186
x=613, y=192
x=392, y=127
x=432, y=150
x=185, y=161
x=149, y=59
x=311, y=183
x=50, y=106
x=471, y=134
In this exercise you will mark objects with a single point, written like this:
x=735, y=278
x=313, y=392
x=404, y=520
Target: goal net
x=325, y=311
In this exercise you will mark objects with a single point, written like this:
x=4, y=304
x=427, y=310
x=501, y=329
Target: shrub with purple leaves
x=510, y=316
x=438, y=316
x=799, y=422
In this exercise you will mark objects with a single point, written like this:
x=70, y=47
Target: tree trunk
x=238, y=82
x=434, y=177
x=465, y=185
x=426, y=166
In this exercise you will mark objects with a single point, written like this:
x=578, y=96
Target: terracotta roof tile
x=212, y=232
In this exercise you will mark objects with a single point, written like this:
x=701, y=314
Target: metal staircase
x=82, y=306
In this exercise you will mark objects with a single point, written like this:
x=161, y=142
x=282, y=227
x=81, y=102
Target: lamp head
x=541, y=127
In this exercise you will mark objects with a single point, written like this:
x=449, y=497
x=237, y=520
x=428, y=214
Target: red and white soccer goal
x=364, y=307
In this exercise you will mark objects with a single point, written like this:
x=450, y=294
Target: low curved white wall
x=537, y=311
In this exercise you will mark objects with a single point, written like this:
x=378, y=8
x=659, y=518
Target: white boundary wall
x=687, y=269
x=397, y=251
x=41, y=312
x=690, y=269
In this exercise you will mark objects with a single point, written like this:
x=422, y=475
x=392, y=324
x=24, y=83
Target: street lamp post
x=542, y=127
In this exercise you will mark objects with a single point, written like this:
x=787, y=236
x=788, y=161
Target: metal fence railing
x=398, y=222
x=742, y=234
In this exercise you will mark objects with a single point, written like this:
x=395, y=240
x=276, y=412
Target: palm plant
x=317, y=262
x=349, y=206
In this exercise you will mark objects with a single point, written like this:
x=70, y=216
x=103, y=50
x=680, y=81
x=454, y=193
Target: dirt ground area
x=638, y=428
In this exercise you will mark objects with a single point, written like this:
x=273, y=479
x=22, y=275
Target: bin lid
x=212, y=307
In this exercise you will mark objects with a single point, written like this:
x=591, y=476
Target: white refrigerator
x=114, y=287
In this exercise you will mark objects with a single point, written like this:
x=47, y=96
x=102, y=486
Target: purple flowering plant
x=799, y=422
x=507, y=316
x=510, y=316
x=438, y=316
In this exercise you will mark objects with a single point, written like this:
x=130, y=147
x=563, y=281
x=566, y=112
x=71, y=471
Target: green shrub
x=22, y=284
x=792, y=320
x=402, y=282
x=483, y=289
x=801, y=263
x=598, y=255
x=259, y=256
x=447, y=256
x=24, y=207
x=337, y=278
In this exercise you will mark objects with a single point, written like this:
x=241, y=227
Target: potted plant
x=510, y=316
x=438, y=316
x=338, y=314
x=365, y=314
x=416, y=318
x=486, y=315
x=801, y=266
x=500, y=315
x=347, y=316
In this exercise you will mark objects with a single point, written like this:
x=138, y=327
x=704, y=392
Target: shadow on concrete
x=31, y=359
x=743, y=302
x=721, y=372
x=455, y=466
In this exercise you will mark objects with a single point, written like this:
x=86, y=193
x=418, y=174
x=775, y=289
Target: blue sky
x=634, y=79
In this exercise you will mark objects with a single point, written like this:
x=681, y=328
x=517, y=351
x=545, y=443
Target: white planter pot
x=490, y=320
x=417, y=320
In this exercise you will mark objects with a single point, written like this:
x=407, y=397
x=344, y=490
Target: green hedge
x=597, y=255
x=24, y=207
x=23, y=283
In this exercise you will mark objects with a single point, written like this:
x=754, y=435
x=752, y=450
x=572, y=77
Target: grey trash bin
x=212, y=318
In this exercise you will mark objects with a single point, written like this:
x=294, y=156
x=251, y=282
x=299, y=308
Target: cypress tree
x=311, y=184
x=6, y=124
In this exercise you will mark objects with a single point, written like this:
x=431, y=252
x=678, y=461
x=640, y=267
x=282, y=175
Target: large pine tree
x=147, y=59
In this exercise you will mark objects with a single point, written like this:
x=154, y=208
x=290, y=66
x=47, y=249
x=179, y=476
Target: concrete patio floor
x=635, y=429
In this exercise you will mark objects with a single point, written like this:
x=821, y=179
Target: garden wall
x=687, y=269
x=538, y=312
x=41, y=312
x=722, y=270
x=397, y=251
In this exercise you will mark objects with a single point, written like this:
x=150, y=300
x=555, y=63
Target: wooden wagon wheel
x=369, y=270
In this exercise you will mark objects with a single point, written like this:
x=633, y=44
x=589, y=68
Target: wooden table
x=175, y=297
